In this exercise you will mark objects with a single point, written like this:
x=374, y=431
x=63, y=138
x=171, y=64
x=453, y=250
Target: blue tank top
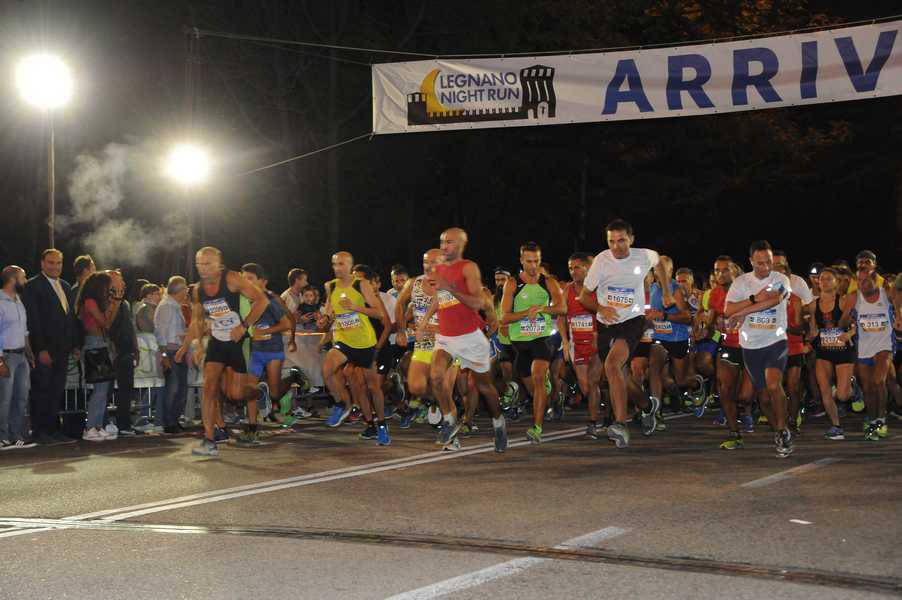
x=667, y=331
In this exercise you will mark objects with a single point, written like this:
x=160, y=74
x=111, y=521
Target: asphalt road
x=317, y=513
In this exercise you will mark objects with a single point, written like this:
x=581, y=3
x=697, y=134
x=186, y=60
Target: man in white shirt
x=756, y=303
x=618, y=275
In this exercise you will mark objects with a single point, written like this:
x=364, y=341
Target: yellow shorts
x=422, y=356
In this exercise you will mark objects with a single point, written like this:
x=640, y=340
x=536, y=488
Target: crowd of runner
x=628, y=336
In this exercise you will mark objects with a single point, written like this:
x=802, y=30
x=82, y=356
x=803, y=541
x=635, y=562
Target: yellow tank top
x=351, y=328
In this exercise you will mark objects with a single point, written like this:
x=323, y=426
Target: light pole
x=44, y=81
x=188, y=165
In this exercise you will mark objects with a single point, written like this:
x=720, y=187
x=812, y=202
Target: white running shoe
x=112, y=432
x=94, y=435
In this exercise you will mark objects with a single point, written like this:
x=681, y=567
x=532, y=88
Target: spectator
x=297, y=281
x=169, y=328
x=309, y=310
x=53, y=336
x=144, y=311
x=96, y=313
x=125, y=343
x=15, y=352
x=83, y=267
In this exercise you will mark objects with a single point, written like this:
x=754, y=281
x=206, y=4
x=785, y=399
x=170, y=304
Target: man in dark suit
x=50, y=307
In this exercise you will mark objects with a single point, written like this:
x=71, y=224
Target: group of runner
x=627, y=326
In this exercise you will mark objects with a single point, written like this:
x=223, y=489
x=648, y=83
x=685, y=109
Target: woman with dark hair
x=94, y=313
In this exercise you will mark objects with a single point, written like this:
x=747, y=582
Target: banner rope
x=369, y=134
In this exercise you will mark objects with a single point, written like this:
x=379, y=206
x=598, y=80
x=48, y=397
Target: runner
x=267, y=345
x=351, y=303
x=504, y=351
x=529, y=306
x=618, y=274
x=733, y=382
x=671, y=340
x=460, y=298
x=419, y=293
x=873, y=314
x=757, y=303
x=796, y=310
x=217, y=297
x=578, y=330
x=833, y=349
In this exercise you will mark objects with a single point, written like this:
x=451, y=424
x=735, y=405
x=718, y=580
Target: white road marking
x=789, y=473
x=505, y=569
x=800, y=522
x=119, y=514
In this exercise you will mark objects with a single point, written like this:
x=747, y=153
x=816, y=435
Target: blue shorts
x=259, y=360
x=707, y=345
x=758, y=361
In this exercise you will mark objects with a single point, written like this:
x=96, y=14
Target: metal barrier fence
x=150, y=381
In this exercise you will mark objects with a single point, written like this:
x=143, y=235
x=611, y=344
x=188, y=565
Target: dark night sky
x=821, y=182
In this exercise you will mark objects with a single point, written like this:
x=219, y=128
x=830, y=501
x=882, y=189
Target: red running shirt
x=718, y=303
x=580, y=321
x=454, y=317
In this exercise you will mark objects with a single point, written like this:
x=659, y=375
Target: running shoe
x=510, y=395
x=748, y=423
x=356, y=415
x=835, y=433
x=720, y=419
x=111, y=431
x=382, y=435
x=592, y=431
x=406, y=419
x=369, y=433
x=619, y=434
x=818, y=412
x=301, y=413
x=882, y=429
x=421, y=414
x=93, y=434
x=468, y=429
x=206, y=448
x=453, y=446
x=534, y=434
x=338, y=416
x=870, y=434
x=449, y=432
x=762, y=419
x=650, y=418
x=783, y=443
x=247, y=439
x=661, y=425
x=734, y=442
x=21, y=445
x=500, y=438
x=220, y=435
x=264, y=402
x=700, y=409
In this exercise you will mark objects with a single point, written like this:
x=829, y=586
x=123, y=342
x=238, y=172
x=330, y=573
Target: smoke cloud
x=99, y=185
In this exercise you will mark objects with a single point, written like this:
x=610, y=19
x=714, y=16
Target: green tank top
x=351, y=328
x=529, y=295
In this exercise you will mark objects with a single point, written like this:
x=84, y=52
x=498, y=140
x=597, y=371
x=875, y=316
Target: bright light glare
x=44, y=81
x=189, y=165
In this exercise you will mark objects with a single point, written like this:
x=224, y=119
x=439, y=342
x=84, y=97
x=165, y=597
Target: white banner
x=851, y=63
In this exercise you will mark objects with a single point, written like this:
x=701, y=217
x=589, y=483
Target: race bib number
x=620, y=297
x=766, y=319
x=582, y=324
x=830, y=339
x=223, y=318
x=446, y=299
x=347, y=321
x=420, y=313
x=874, y=323
x=536, y=327
x=663, y=328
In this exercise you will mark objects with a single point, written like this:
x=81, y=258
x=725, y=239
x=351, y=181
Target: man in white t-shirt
x=617, y=276
x=756, y=303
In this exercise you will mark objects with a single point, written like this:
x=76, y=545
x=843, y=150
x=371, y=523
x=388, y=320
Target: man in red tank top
x=577, y=329
x=459, y=298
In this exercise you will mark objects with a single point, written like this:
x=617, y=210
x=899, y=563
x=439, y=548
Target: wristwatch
x=752, y=298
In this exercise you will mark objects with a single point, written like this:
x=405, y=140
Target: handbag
x=98, y=365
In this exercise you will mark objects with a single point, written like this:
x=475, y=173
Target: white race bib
x=347, y=321
x=620, y=297
x=536, y=327
x=582, y=324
